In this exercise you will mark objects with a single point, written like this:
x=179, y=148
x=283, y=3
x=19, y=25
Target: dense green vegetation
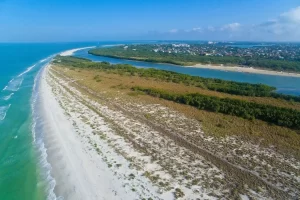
x=230, y=87
x=280, y=116
x=145, y=53
x=249, y=110
x=219, y=85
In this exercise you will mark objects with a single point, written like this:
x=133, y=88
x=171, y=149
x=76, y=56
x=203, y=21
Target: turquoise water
x=22, y=169
x=286, y=85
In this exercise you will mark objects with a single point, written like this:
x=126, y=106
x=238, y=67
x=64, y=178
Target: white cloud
x=211, y=28
x=198, y=29
x=292, y=16
x=231, y=27
x=286, y=25
x=173, y=30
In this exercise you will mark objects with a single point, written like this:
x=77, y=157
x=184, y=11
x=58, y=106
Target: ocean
x=24, y=171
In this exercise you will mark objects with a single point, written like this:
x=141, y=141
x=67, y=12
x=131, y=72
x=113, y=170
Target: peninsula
x=134, y=133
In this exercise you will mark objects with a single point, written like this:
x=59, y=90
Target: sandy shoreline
x=79, y=170
x=97, y=163
x=71, y=51
x=65, y=152
x=245, y=70
x=96, y=147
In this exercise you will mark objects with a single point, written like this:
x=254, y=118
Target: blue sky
x=94, y=20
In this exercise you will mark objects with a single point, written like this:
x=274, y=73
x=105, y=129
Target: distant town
x=289, y=52
x=272, y=56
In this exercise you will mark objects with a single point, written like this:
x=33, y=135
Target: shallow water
x=22, y=168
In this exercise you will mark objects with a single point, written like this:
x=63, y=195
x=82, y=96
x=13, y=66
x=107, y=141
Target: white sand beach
x=104, y=147
x=245, y=70
x=91, y=160
x=71, y=51
x=78, y=169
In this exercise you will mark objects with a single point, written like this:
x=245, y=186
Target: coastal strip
x=245, y=70
x=78, y=157
x=71, y=51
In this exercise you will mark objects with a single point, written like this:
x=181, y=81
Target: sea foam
x=14, y=84
x=3, y=111
x=27, y=70
x=47, y=59
x=37, y=133
x=6, y=98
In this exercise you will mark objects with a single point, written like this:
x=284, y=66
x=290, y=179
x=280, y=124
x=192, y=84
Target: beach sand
x=108, y=147
x=91, y=159
x=79, y=171
x=245, y=70
x=71, y=51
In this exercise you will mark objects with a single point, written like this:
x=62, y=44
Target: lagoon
x=284, y=84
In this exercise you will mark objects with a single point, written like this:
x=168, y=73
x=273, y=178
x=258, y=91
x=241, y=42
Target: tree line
x=229, y=87
x=286, y=117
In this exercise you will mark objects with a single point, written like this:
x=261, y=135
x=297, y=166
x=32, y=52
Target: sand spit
x=70, y=52
x=245, y=70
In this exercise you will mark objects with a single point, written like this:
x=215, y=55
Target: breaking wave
x=14, y=84
x=6, y=98
x=37, y=132
x=3, y=111
x=27, y=70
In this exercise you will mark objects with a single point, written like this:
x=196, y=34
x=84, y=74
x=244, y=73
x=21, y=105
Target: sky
x=98, y=20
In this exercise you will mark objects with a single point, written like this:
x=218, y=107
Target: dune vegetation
x=176, y=124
